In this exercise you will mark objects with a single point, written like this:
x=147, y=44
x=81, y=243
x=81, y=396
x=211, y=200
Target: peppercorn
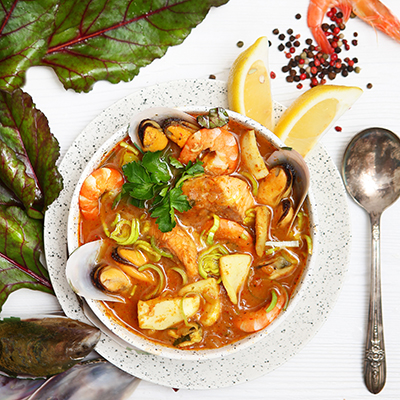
x=281, y=47
x=354, y=42
x=239, y=44
x=272, y=75
x=369, y=86
x=212, y=77
x=308, y=41
x=285, y=68
x=338, y=128
x=275, y=31
x=289, y=31
x=281, y=36
x=289, y=79
x=297, y=16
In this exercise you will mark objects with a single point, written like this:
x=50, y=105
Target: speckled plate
x=320, y=287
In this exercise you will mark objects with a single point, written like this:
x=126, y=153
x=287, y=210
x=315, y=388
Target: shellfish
x=41, y=347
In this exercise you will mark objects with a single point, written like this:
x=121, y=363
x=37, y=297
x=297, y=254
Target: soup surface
x=202, y=257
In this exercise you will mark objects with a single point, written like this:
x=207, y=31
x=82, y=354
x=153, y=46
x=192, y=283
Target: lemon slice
x=312, y=114
x=249, y=90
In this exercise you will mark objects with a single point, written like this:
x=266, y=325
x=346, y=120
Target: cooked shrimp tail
x=253, y=321
x=376, y=14
x=373, y=12
x=317, y=10
x=100, y=181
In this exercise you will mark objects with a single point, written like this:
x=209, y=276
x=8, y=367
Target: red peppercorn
x=301, y=61
x=317, y=63
x=272, y=75
x=299, y=86
x=288, y=55
x=336, y=30
x=334, y=44
x=303, y=76
x=292, y=50
x=334, y=57
x=350, y=63
x=329, y=14
x=347, y=47
x=322, y=81
x=333, y=10
x=314, y=70
x=314, y=81
x=339, y=21
x=338, y=128
x=338, y=65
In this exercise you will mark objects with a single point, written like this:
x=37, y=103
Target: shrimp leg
x=378, y=16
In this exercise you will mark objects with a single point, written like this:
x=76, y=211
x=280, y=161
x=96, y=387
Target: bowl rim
x=136, y=341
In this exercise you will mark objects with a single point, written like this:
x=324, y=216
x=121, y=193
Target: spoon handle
x=375, y=357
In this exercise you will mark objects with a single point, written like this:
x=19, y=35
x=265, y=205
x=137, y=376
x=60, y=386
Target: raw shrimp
x=373, y=12
x=94, y=186
x=232, y=233
x=223, y=155
x=253, y=321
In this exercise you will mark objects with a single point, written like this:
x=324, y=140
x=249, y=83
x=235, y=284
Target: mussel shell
x=302, y=179
x=79, y=269
x=159, y=115
x=41, y=347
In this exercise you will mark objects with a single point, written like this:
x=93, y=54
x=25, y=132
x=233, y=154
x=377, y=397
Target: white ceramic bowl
x=138, y=342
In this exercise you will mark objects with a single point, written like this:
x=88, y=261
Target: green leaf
x=86, y=41
x=157, y=166
x=29, y=183
x=28, y=152
x=21, y=248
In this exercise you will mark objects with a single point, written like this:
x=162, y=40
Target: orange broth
x=255, y=293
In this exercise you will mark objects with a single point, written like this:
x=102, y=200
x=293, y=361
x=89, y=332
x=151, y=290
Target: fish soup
x=202, y=244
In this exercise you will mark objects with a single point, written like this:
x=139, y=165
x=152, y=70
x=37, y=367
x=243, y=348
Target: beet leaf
x=85, y=41
x=29, y=183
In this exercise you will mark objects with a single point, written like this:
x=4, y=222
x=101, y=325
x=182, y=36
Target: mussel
x=152, y=136
x=110, y=279
x=301, y=175
x=83, y=273
x=41, y=347
x=158, y=122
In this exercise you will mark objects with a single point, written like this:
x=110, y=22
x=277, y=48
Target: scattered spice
x=369, y=86
x=311, y=63
x=338, y=128
x=239, y=44
x=212, y=77
x=272, y=75
x=297, y=16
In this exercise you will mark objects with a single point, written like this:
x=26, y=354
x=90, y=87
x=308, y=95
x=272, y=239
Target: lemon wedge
x=249, y=89
x=313, y=113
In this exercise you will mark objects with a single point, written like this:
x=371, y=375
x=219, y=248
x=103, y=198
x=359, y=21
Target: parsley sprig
x=157, y=181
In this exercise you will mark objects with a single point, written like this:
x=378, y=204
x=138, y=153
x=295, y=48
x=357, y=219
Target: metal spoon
x=371, y=173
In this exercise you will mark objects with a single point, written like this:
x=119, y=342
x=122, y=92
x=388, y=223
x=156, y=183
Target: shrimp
x=373, y=12
x=232, y=233
x=253, y=321
x=223, y=155
x=94, y=186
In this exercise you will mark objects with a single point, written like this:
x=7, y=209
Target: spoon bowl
x=371, y=174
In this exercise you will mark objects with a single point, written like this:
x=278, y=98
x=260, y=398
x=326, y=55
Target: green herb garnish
x=152, y=180
x=215, y=118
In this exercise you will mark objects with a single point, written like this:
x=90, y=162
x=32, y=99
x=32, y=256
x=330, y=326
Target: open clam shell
x=79, y=271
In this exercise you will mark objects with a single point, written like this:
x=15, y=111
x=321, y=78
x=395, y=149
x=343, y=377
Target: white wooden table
x=330, y=366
